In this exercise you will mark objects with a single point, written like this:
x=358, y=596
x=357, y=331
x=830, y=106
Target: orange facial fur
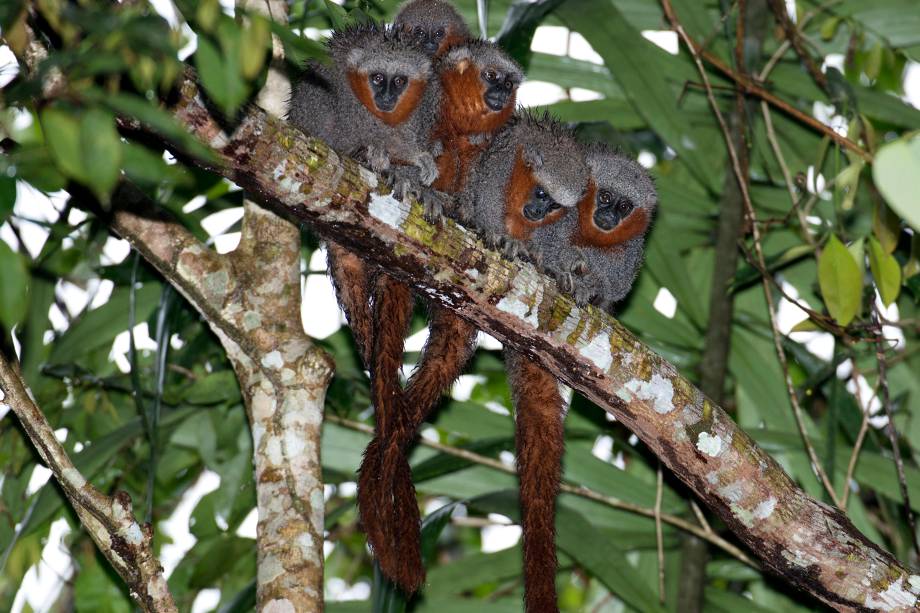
x=407, y=102
x=520, y=187
x=464, y=111
x=589, y=235
x=450, y=39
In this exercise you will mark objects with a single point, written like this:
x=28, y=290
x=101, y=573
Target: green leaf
x=62, y=133
x=100, y=148
x=254, y=46
x=159, y=120
x=894, y=163
x=14, y=286
x=829, y=27
x=886, y=226
x=219, y=76
x=840, y=281
x=519, y=26
x=7, y=197
x=885, y=271
x=101, y=325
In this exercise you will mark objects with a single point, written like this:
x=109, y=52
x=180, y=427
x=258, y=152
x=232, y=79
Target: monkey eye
x=554, y=206
x=439, y=33
x=419, y=30
x=377, y=78
x=509, y=85
x=540, y=193
x=604, y=197
x=399, y=81
x=490, y=75
x=624, y=207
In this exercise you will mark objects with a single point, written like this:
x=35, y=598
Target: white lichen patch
x=216, y=283
x=733, y=492
x=157, y=588
x=914, y=582
x=307, y=550
x=472, y=273
x=513, y=305
x=387, y=209
x=287, y=376
x=709, y=444
x=273, y=451
x=272, y=359
x=765, y=508
x=251, y=320
x=270, y=568
x=894, y=598
x=598, y=351
x=133, y=534
x=368, y=177
x=712, y=477
x=659, y=390
x=74, y=478
x=285, y=180
x=279, y=605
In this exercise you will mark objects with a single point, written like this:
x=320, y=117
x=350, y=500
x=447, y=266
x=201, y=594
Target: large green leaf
x=885, y=271
x=101, y=325
x=840, y=280
x=14, y=287
x=896, y=166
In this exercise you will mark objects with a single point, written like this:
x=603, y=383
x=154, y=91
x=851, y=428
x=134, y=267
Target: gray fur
x=609, y=272
x=324, y=105
x=429, y=15
x=554, y=156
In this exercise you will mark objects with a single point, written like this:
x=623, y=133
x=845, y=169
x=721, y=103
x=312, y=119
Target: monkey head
x=387, y=77
x=479, y=86
x=432, y=26
x=548, y=177
x=619, y=203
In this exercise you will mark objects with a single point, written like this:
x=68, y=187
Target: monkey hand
x=513, y=248
x=434, y=203
x=428, y=168
x=377, y=158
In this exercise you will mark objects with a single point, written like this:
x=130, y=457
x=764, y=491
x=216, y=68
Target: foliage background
x=648, y=101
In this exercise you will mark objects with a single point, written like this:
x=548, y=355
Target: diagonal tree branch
x=811, y=545
x=110, y=522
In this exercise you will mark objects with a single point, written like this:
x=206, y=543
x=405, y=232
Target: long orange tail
x=351, y=278
x=539, y=414
x=386, y=497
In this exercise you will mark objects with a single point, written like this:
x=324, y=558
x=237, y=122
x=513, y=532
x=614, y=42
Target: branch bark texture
x=110, y=522
x=812, y=545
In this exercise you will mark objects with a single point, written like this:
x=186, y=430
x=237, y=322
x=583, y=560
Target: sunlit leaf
x=894, y=164
x=885, y=271
x=14, y=286
x=840, y=281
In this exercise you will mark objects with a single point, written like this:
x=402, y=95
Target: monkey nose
x=496, y=99
x=430, y=47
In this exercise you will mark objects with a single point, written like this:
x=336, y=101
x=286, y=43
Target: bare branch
x=110, y=522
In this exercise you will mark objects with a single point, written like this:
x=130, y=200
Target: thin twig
x=700, y=517
x=793, y=36
x=758, y=248
x=750, y=86
x=576, y=490
x=860, y=438
x=892, y=431
x=659, y=538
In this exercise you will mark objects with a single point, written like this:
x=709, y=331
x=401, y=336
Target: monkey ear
x=463, y=65
x=532, y=156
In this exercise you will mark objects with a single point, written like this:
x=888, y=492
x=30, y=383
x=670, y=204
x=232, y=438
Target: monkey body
x=377, y=101
x=432, y=26
x=478, y=91
x=597, y=254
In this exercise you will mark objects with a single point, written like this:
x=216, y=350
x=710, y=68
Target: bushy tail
x=539, y=414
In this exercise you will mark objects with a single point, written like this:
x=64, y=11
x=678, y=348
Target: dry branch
x=810, y=544
x=109, y=520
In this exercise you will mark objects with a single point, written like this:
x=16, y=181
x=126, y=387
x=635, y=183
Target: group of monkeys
x=433, y=109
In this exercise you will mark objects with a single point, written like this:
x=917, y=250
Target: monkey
x=605, y=240
x=377, y=101
x=597, y=254
x=478, y=87
x=431, y=25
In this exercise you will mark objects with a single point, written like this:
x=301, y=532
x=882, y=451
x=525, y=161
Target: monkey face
x=610, y=209
x=386, y=89
x=430, y=40
x=539, y=206
x=500, y=87
x=619, y=204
